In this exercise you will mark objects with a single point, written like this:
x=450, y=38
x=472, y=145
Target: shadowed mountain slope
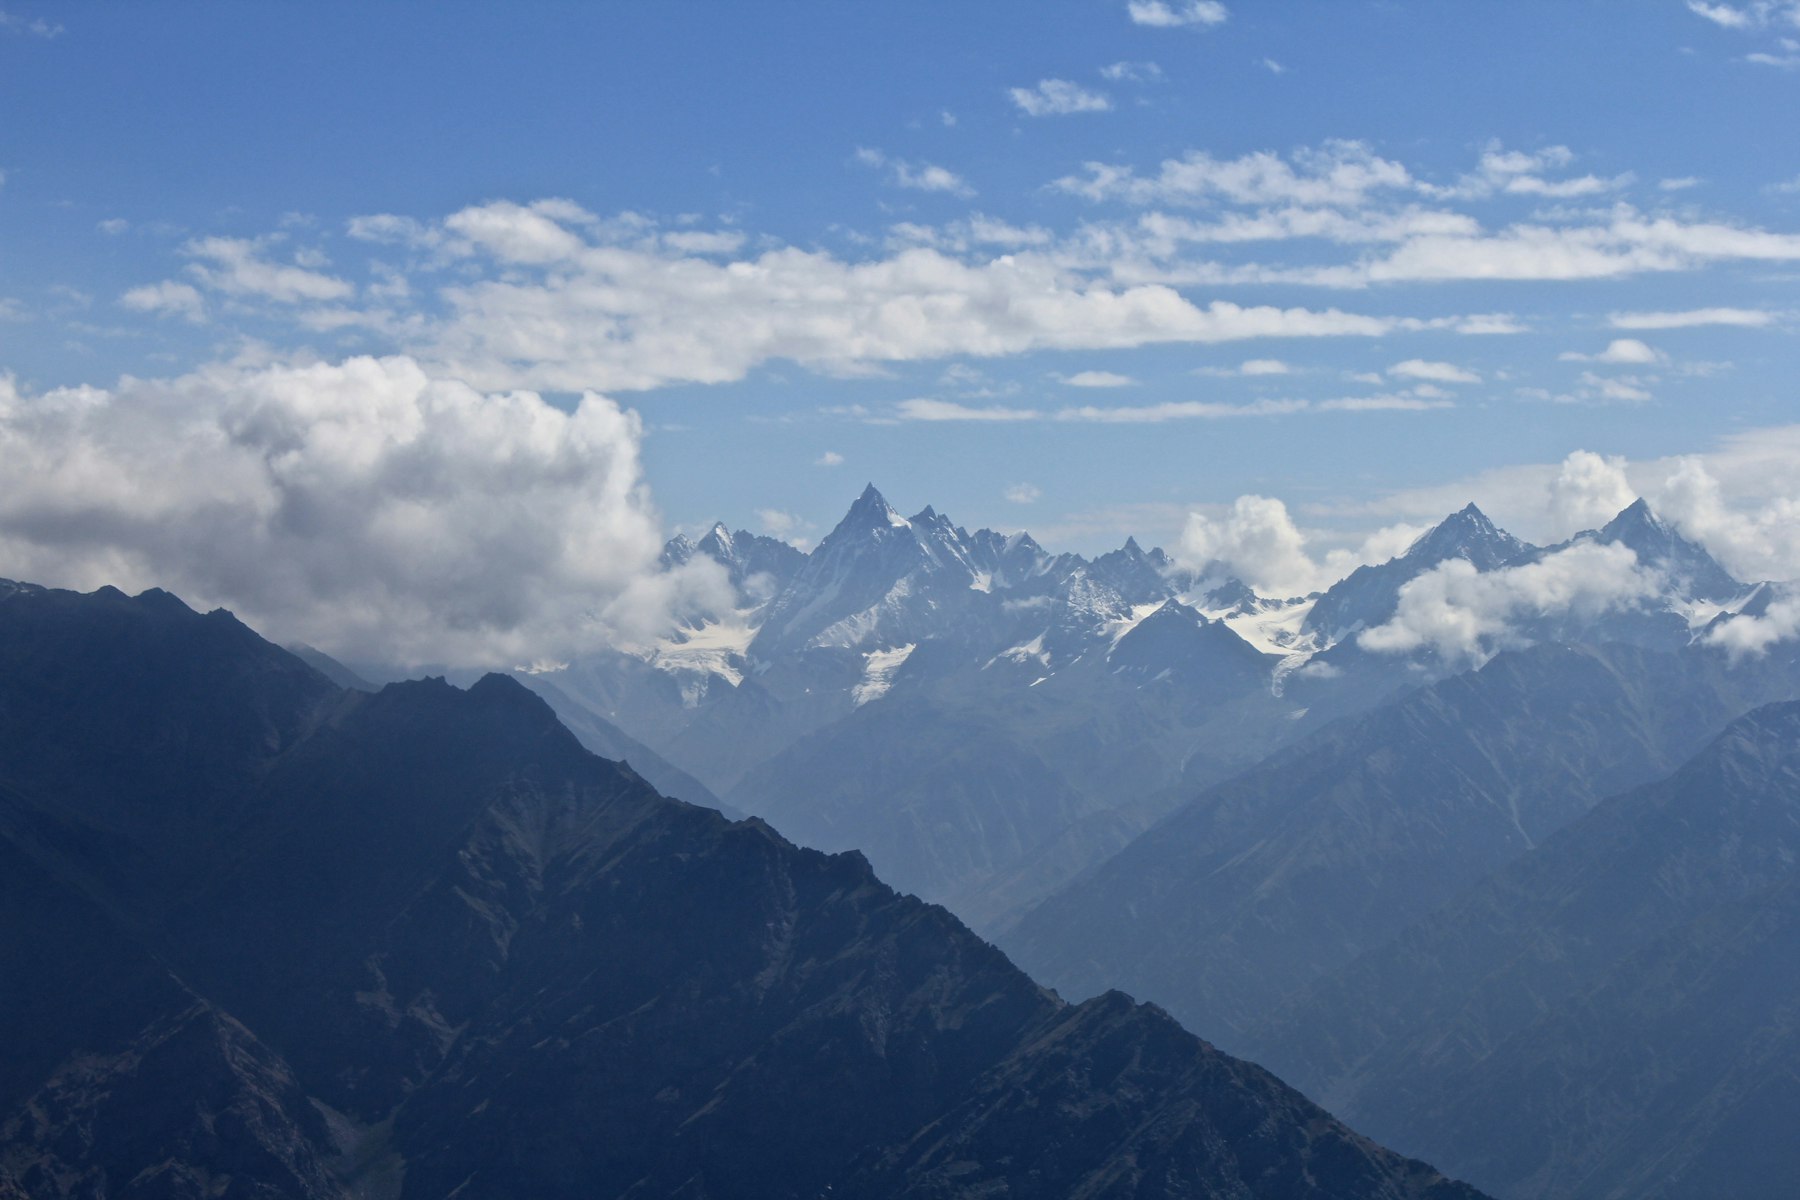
x=1615, y=1014
x=1265, y=882
x=422, y=943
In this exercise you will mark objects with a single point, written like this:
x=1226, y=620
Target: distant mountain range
x=1242, y=808
x=987, y=720
x=266, y=936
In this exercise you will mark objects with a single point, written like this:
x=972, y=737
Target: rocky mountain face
x=1614, y=1014
x=1368, y=596
x=1262, y=884
x=269, y=937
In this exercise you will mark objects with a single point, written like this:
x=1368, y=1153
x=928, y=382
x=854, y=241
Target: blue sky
x=817, y=244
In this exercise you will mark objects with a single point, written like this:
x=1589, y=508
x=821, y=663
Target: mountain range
x=267, y=936
x=987, y=720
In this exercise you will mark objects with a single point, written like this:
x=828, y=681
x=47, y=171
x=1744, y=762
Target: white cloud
x=831, y=458
x=1681, y=184
x=1589, y=491
x=926, y=409
x=393, y=230
x=1420, y=400
x=1466, y=615
x=113, y=226
x=921, y=177
x=1788, y=60
x=1750, y=318
x=1761, y=542
x=1256, y=540
x=1273, y=67
x=236, y=266
x=177, y=299
x=364, y=506
x=1160, y=14
x=621, y=317
x=1720, y=14
x=1339, y=173
x=1628, y=351
x=1179, y=410
x=28, y=26
x=1263, y=366
x=1057, y=98
x=1132, y=72
x=1615, y=389
x=529, y=234
x=1098, y=379
x=1744, y=636
x=784, y=525
x=1435, y=372
x=1253, y=368
x=1023, y=493
x=1757, y=14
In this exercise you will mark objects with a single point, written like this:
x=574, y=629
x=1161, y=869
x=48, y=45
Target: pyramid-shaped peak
x=925, y=515
x=871, y=511
x=1131, y=546
x=1172, y=608
x=1636, y=515
x=1466, y=530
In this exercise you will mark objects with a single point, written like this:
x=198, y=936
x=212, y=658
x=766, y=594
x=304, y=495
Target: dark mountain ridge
x=421, y=943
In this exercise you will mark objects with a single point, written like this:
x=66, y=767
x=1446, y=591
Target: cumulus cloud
x=364, y=506
x=1465, y=615
x=1098, y=379
x=1749, y=636
x=1257, y=540
x=1160, y=14
x=1023, y=493
x=1434, y=372
x=1589, y=490
x=168, y=297
x=1058, y=98
x=831, y=458
x=1760, y=542
x=1628, y=351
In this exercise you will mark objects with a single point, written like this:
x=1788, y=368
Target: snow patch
x=716, y=648
x=878, y=674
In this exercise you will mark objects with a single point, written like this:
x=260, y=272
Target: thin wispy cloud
x=920, y=177
x=38, y=27
x=1177, y=14
x=1058, y=98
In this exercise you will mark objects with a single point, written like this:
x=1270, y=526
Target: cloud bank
x=366, y=507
